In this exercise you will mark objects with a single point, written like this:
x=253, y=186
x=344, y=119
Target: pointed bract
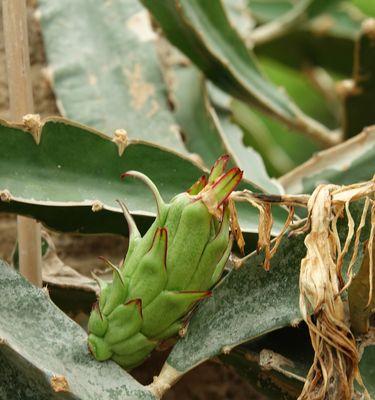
x=198, y=185
x=134, y=233
x=171, y=305
x=151, y=185
x=215, y=195
x=218, y=168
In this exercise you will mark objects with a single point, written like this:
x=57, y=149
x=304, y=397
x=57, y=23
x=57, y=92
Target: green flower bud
x=167, y=271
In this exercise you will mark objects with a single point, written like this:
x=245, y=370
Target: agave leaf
x=44, y=353
x=248, y=159
x=210, y=133
x=116, y=81
x=349, y=162
x=70, y=181
x=201, y=30
x=281, y=149
x=195, y=115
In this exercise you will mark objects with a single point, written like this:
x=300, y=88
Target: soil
x=209, y=381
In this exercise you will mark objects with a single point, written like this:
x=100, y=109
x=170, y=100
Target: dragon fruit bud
x=167, y=271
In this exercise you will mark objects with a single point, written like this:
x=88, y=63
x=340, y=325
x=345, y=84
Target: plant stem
x=21, y=103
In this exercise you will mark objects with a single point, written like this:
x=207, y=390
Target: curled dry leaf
x=263, y=204
x=335, y=365
x=235, y=226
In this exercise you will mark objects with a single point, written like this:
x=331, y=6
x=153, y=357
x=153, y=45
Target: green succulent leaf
x=195, y=115
x=347, y=163
x=71, y=179
x=44, y=354
x=281, y=149
x=210, y=132
x=202, y=31
x=116, y=82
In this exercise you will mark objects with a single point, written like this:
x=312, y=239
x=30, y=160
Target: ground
x=210, y=381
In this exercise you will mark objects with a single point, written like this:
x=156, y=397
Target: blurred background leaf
x=104, y=68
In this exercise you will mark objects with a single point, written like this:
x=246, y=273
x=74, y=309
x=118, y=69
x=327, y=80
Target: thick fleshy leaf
x=246, y=158
x=114, y=80
x=280, y=148
x=202, y=31
x=71, y=179
x=44, y=354
x=194, y=115
x=210, y=133
x=349, y=162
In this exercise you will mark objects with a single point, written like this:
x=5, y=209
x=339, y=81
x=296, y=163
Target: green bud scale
x=166, y=272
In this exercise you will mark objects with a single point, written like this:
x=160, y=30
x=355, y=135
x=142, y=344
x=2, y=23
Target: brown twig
x=21, y=103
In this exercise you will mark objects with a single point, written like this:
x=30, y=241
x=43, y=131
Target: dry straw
x=322, y=285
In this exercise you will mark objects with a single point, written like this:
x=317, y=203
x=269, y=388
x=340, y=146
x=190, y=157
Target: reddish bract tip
x=226, y=184
x=217, y=193
x=218, y=168
x=163, y=234
x=114, y=268
x=97, y=307
x=138, y=303
x=198, y=186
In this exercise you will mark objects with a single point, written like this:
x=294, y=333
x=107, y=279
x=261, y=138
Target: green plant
x=165, y=272
x=179, y=118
